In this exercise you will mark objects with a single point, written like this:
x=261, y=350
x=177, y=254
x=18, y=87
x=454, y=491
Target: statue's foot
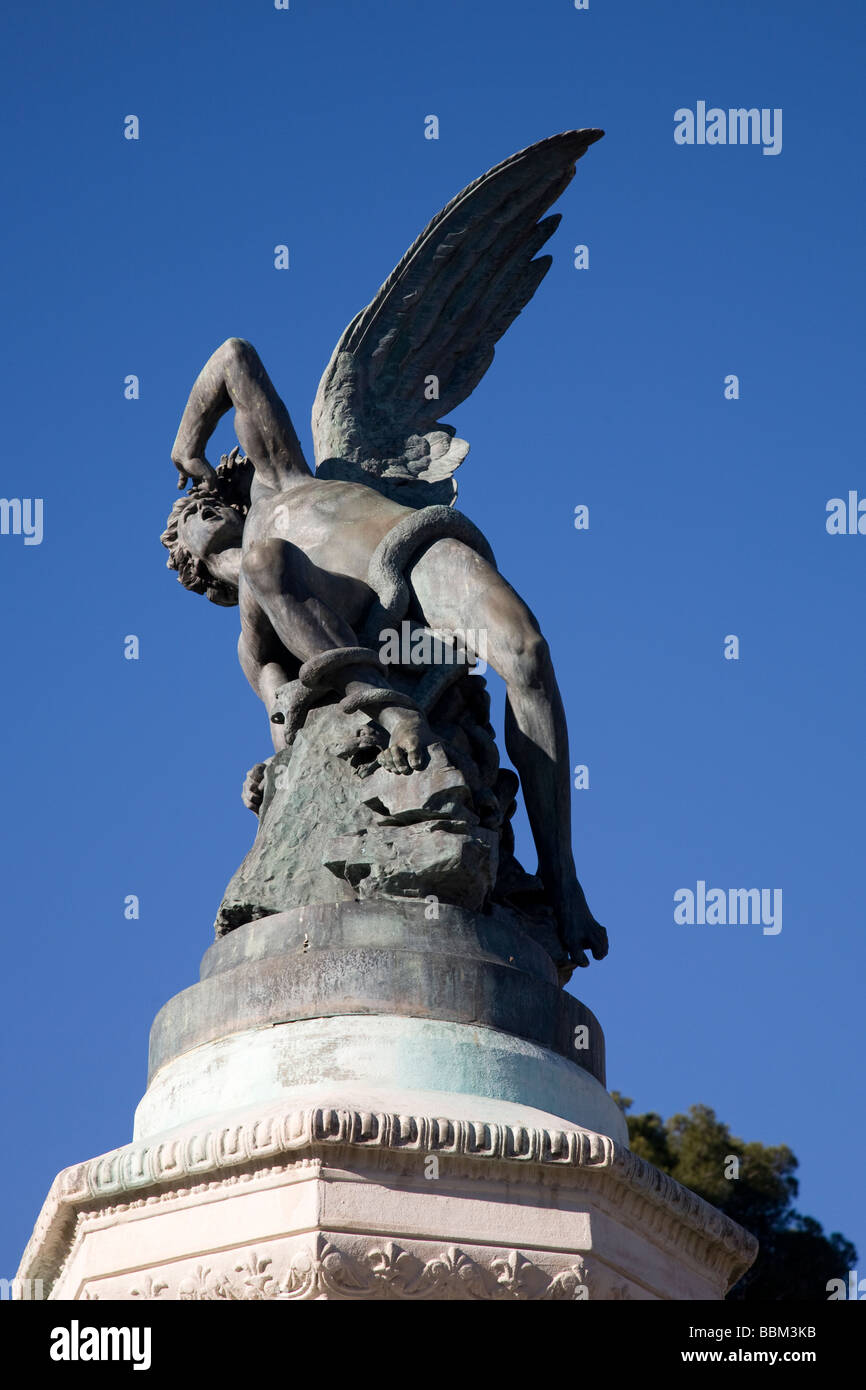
x=409, y=741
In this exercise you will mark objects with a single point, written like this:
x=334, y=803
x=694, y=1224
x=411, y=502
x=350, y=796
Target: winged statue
x=325, y=564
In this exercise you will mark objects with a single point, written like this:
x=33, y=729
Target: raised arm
x=234, y=376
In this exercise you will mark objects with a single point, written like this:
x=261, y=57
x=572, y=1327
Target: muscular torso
x=337, y=525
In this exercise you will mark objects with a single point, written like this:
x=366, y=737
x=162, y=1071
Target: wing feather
x=439, y=315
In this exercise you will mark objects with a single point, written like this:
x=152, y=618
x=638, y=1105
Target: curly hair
x=232, y=488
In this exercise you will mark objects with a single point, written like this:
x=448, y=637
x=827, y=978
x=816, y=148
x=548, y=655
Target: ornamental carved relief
x=280, y=1142
x=323, y=1270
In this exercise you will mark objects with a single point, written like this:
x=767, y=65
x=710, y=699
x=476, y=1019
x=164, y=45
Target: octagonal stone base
x=333, y=1202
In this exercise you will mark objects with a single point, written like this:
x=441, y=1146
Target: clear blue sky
x=707, y=516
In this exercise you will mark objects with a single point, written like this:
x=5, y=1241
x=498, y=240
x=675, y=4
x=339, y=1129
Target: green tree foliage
x=796, y=1258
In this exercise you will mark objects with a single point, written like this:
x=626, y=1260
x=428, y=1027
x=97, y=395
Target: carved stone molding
x=324, y=1269
x=142, y=1172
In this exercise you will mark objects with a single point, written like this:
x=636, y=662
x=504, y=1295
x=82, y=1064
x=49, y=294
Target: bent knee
x=268, y=566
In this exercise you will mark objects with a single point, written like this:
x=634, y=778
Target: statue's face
x=209, y=527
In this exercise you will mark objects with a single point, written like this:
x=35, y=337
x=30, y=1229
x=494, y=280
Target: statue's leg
x=264, y=659
x=300, y=602
x=282, y=581
x=457, y=590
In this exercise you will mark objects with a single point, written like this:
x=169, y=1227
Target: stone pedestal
x=358, y=1104
x=337, y=1203
x=336, y=1003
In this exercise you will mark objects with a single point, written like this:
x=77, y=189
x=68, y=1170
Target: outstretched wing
x=423, y=344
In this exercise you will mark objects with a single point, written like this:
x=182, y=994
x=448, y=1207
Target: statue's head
x=207, y=525
x=204, y=522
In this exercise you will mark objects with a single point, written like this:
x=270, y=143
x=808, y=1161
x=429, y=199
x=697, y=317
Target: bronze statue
x=324, y=564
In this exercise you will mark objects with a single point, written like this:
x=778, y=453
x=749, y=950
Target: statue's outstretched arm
x=234, y=376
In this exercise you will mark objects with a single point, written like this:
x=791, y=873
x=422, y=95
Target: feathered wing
x=434, y=325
